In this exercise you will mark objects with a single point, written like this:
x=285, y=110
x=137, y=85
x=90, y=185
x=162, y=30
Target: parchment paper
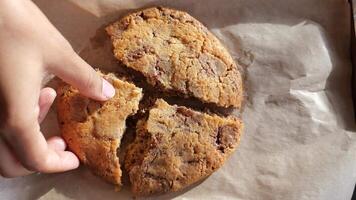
x=299, y=137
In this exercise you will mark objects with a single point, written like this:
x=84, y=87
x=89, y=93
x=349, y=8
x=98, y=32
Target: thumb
x=75, y=71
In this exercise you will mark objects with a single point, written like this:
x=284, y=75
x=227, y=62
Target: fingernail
x=108, y=90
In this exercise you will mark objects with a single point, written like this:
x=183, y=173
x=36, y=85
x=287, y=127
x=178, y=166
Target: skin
x=30, y=48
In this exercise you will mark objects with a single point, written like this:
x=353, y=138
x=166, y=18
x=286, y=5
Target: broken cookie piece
x=93, y=129
x=176, y=147
x=178, y=54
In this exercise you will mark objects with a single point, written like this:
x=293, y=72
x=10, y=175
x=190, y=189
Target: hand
x=30, y=47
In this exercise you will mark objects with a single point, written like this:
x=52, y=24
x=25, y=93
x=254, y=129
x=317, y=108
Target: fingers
x=35, y=154
x=9, y=166
x=22, y=132
x=59, y=161
x=47, y=96
x=32, y=150
x=75, y=71
x=56, y=143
